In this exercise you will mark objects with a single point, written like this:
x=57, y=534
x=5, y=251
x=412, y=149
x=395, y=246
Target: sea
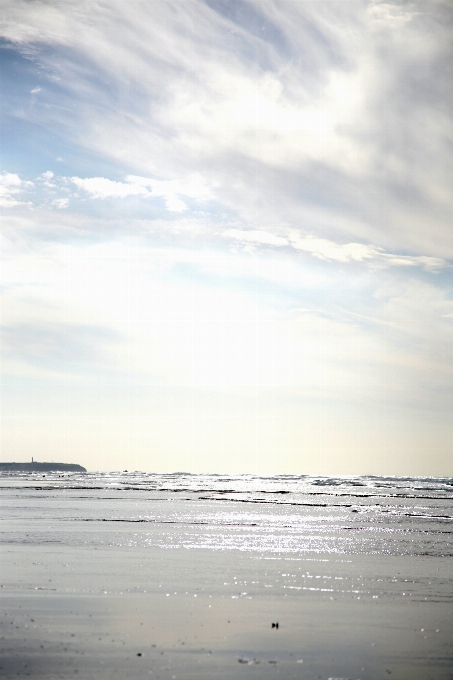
x=295, y=576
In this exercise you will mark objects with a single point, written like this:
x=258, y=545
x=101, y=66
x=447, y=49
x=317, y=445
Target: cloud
x=60, y=203
x=194, y=187
x=11, y=186
x=260, y=237
x=83, y=306
x=388, y=14
x=100, y=187
x=325, y=249
x=309, y=114
x=135, y=185
x=432, y=264
x=328, y=250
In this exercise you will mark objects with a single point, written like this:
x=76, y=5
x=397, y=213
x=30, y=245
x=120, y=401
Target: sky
x=227, y=235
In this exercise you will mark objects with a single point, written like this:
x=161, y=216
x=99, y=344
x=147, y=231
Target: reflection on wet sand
x=109, y=582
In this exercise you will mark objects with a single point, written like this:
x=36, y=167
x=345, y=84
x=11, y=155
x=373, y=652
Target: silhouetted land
x=41, y=467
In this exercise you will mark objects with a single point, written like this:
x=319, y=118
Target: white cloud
x=322, y=249
x=390, y=15
x=100, y=187
x=170, y=190
x=8, y=179
x=175, y=204
x=60, y=203
x=35, y=90
x=260, y=237
x=135, y=185
x=433, y=264
x=328, y=250
x=10, y=186
x=325, y=249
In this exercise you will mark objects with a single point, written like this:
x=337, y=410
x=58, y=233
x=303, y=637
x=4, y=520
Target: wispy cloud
x=101, y=188
x=309, y=111
x=325, y=249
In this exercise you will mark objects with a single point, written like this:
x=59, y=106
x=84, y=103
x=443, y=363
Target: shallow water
x=357, y=571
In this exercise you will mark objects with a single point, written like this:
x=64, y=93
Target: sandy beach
x=120, y=583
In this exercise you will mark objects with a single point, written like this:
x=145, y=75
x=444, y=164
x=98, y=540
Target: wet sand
x=85, y=600
x=174, y=617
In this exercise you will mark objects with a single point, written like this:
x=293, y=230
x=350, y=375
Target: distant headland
x=41, y=467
